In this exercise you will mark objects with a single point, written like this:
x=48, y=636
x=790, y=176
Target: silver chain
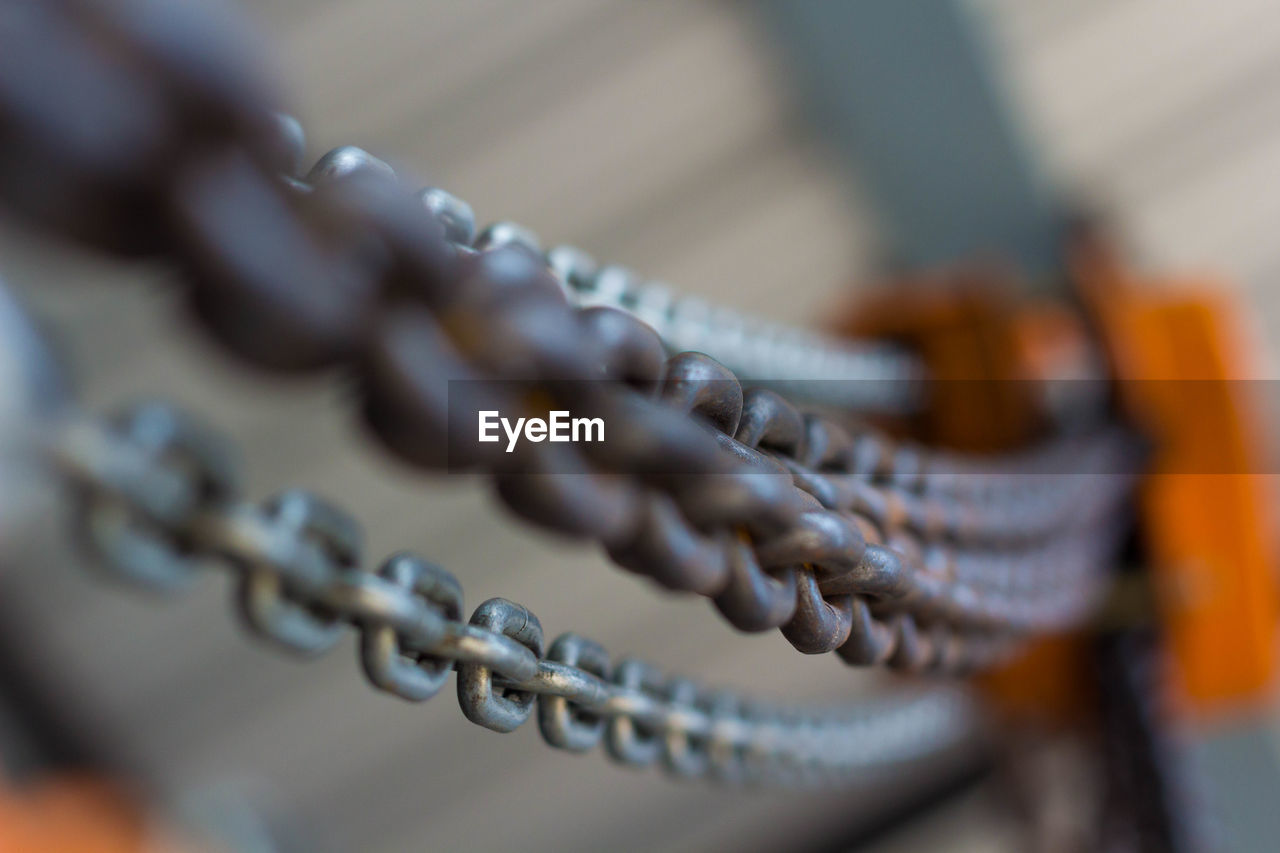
x=157, y=499
x=798, y=363
x=801, y=364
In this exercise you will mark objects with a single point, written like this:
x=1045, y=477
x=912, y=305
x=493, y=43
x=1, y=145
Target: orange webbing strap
x=1206, y=510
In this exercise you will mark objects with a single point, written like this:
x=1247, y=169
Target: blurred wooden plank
x=1134, y=67
x=1221, y=217
x=366, y=68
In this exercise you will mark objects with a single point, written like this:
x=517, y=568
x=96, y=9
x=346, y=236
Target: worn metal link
x=569, y=717
x=396, y=636
x=143, y=498
x=408, y=613
x=159, y=140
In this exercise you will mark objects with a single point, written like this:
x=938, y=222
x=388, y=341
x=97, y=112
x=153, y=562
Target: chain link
x=156, y=137
x=806, y=366
x=301, y=577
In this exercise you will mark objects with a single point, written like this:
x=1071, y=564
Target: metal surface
x=650, y=133
x=845, y=542
x=1237, y=768
x=916, y=110
x=784, y=520
x=301, y=578
x=32, y=392
x=1153, y=801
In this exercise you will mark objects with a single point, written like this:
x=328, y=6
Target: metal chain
x=153, y=137
x=689, y=325
x=803, y=365
x=157, y=499
x=807, y=366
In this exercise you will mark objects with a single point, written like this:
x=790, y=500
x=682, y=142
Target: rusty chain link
x=149, y=133
x=157, y=499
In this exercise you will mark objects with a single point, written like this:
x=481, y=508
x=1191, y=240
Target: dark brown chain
x=141, y=128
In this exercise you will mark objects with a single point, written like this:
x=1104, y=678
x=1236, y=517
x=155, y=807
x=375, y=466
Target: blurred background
x=687, y=140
